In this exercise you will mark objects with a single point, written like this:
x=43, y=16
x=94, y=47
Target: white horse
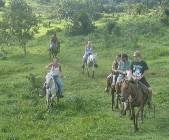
x=51, y=90
x=90, y=64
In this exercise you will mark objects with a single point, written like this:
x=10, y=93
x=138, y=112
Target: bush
x=165, y=17
x=165, y=20
x=53, y=31
x=139, y=8
x=81, y=24
x=111, y=27
x=166, y=12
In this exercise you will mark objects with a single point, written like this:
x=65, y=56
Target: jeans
x=58, y=84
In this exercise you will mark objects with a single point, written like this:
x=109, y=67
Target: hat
x=137, y=54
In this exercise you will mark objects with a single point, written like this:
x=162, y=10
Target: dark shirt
x=138, y=68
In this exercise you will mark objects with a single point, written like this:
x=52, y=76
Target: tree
x=81, y=24
x=2, y=3
x=68, y=9
x=21, y=23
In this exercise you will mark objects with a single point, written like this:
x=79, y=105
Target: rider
x=139, y=69
x=113, y=75
x=123, y=67
x=56, y=71
x=88, y=52
x=54, y=43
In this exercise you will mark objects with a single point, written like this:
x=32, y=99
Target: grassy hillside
x=85, y=112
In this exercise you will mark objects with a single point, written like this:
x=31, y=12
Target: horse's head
x=125, y=90
x=93, y=57
x=48, y=79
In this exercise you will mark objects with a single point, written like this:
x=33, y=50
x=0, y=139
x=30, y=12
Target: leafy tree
x=2, y=3
x=68, y=9
x=21, y=23
x=81, y=24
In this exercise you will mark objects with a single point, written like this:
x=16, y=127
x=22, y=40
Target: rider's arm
x=49, y=66
x=60, y=69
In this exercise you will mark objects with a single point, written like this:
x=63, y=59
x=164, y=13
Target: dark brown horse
x=133, y=95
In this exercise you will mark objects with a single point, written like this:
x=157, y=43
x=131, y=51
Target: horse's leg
x=130, y=111
x=57, y=100
x=93, y=71
x=154, y=110
x=93, y=74
x=123, y=109
x=47, y=99
x=134, y=118
x=112, y=93
x=142, y=111
x=117, y=101
x=137, y=116
x=88, y=71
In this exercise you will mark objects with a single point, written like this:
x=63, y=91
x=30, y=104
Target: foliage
x=53, y=31
x=112, y=27
x=81, y=24
x=165, y=17
x=68, y=9
x=20, y=22
x=2, y=3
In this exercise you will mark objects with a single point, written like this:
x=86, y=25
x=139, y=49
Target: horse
x=51, y=90
x=90, y=64
x=132, y=94
x=116, y=90
x=53, y=51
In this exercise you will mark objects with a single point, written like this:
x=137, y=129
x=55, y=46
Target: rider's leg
x=58, y=85
x=114, y=80
x=60, y=89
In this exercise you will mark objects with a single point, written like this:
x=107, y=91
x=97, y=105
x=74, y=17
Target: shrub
x=165, y=17
x=166, y=12
x=53, y=31
x=111, y=27
x=165, y=20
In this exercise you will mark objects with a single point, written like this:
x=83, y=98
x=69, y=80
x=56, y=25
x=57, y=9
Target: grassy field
x=85, y=112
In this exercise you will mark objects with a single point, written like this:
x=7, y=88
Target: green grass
x=85, y=112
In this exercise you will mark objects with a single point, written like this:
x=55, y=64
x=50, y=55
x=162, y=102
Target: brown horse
x=133, y=95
